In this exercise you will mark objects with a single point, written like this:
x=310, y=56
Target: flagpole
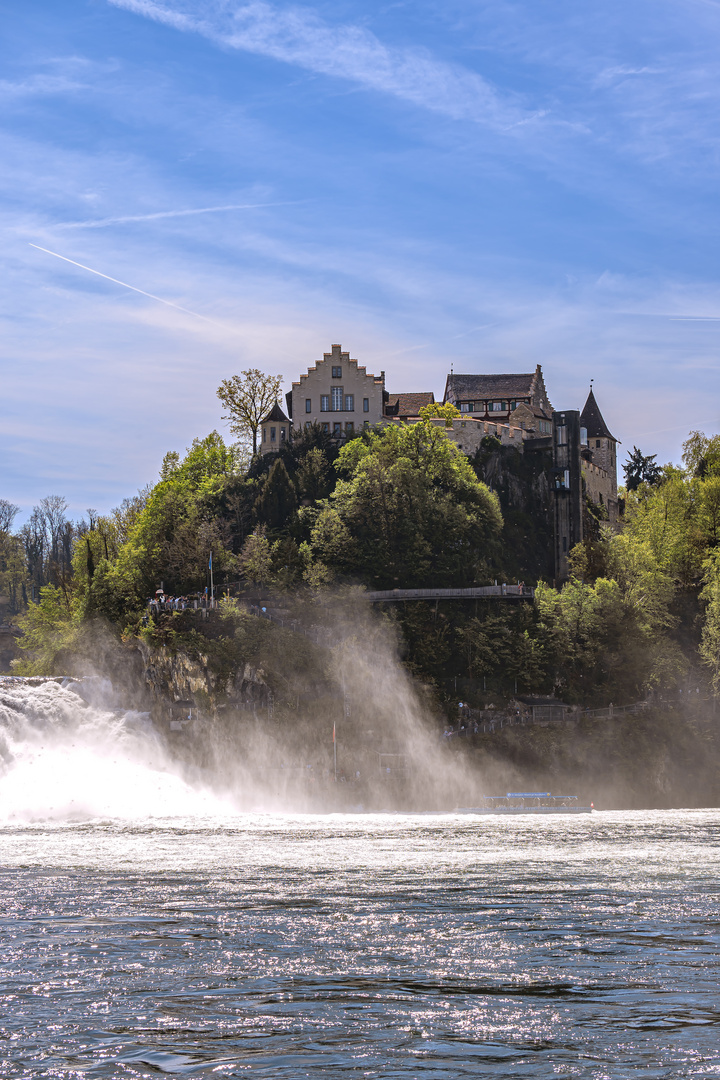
x=334, y=752
x=212, y=587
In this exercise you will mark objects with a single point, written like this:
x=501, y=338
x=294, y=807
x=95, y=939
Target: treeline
x=403, y=507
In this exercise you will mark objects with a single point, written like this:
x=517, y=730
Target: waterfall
x=68, y=752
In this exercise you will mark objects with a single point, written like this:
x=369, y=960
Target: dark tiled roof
x=465, y=387
x=408, y=404
x=493, y=387
x=592, y=419
x=277, y=415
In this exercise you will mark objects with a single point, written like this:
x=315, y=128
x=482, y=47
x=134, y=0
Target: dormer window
x=337, y=372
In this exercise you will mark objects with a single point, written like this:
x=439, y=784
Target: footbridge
x=482, y=592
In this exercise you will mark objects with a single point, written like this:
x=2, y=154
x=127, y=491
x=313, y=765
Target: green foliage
x=710, y=641
x=255, y=559
x=410, y=511
x=314, y=476
x=701, y=455
x=440, y=411
x=165, y=535
x=49, y=630
x=278, y=499
x=13, y=570
x=639, y=470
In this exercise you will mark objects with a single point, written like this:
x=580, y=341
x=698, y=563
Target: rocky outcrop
x=173, y=676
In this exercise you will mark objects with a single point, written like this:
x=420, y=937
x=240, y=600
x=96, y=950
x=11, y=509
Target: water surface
x=362, y=946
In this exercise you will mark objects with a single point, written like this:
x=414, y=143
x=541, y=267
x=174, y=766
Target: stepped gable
x=276, y=415
x=408, y=404
x=503, y=387
x=593, y=421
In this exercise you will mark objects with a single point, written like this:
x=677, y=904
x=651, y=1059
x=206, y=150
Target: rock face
x=172, y=677
x=9, y=649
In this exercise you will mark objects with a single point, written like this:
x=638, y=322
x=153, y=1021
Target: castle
x=577, y=448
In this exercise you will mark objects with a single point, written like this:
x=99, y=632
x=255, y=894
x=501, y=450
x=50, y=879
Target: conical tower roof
x=592, y=420
x=276, y=415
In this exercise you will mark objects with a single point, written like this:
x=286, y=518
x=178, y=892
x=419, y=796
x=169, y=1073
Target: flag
x=210, y=563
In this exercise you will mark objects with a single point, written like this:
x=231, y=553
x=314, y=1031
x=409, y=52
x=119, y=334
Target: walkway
x=497, y=592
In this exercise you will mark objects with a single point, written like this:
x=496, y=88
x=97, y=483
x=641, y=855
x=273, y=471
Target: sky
x=487, y=185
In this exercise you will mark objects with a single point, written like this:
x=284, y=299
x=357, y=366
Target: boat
x=527, y=802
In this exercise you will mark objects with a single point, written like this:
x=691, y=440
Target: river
x=142, y=939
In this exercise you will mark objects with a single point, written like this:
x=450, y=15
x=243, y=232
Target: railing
x=615, y=710
x=505, y=592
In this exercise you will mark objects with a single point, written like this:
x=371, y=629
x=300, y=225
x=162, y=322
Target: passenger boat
x=527, y=802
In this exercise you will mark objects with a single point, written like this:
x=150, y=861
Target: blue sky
x=492, y=185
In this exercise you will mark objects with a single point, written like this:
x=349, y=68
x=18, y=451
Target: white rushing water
x=150, y=928
x=65, y=758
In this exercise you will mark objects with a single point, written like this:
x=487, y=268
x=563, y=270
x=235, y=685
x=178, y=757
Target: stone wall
x=600, y=487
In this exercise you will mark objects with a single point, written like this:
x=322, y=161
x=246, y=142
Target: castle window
x=337, y=373
x=562, y=436
x=349, y=403
x=337, y=430
x=349, y=428
x=264, y=434
x=308, y=425
x=273, y=434
x=282, y=434
x=597, y=444
x=326, y=429
x=366, y=405
x=497, y=406
x=308, y=404
x=324, y=403
x=336, y=398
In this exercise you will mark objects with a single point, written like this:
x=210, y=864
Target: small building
x=405, y=407
x=499, y=397
x=338, y=394
x=274, y=430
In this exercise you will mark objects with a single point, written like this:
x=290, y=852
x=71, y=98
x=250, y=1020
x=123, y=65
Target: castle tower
x=601, y=443
x=274, y=430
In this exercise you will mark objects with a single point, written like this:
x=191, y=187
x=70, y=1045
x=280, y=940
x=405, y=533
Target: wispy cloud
x=39, y=86
x=101, y=223
x=298, y=36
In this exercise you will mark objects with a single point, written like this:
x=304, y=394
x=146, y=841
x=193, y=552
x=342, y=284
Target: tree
x=314, y=475
x=710, y=641
x=701, y=455
x=410, y=513
x=12, y=562
x=256, y=558
x=639, y=470
x=247, y=398
x=278, y=500
x=8, y=513
x=440, y=411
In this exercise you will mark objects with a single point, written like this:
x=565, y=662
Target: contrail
x=125, y=285
x=100, y=223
